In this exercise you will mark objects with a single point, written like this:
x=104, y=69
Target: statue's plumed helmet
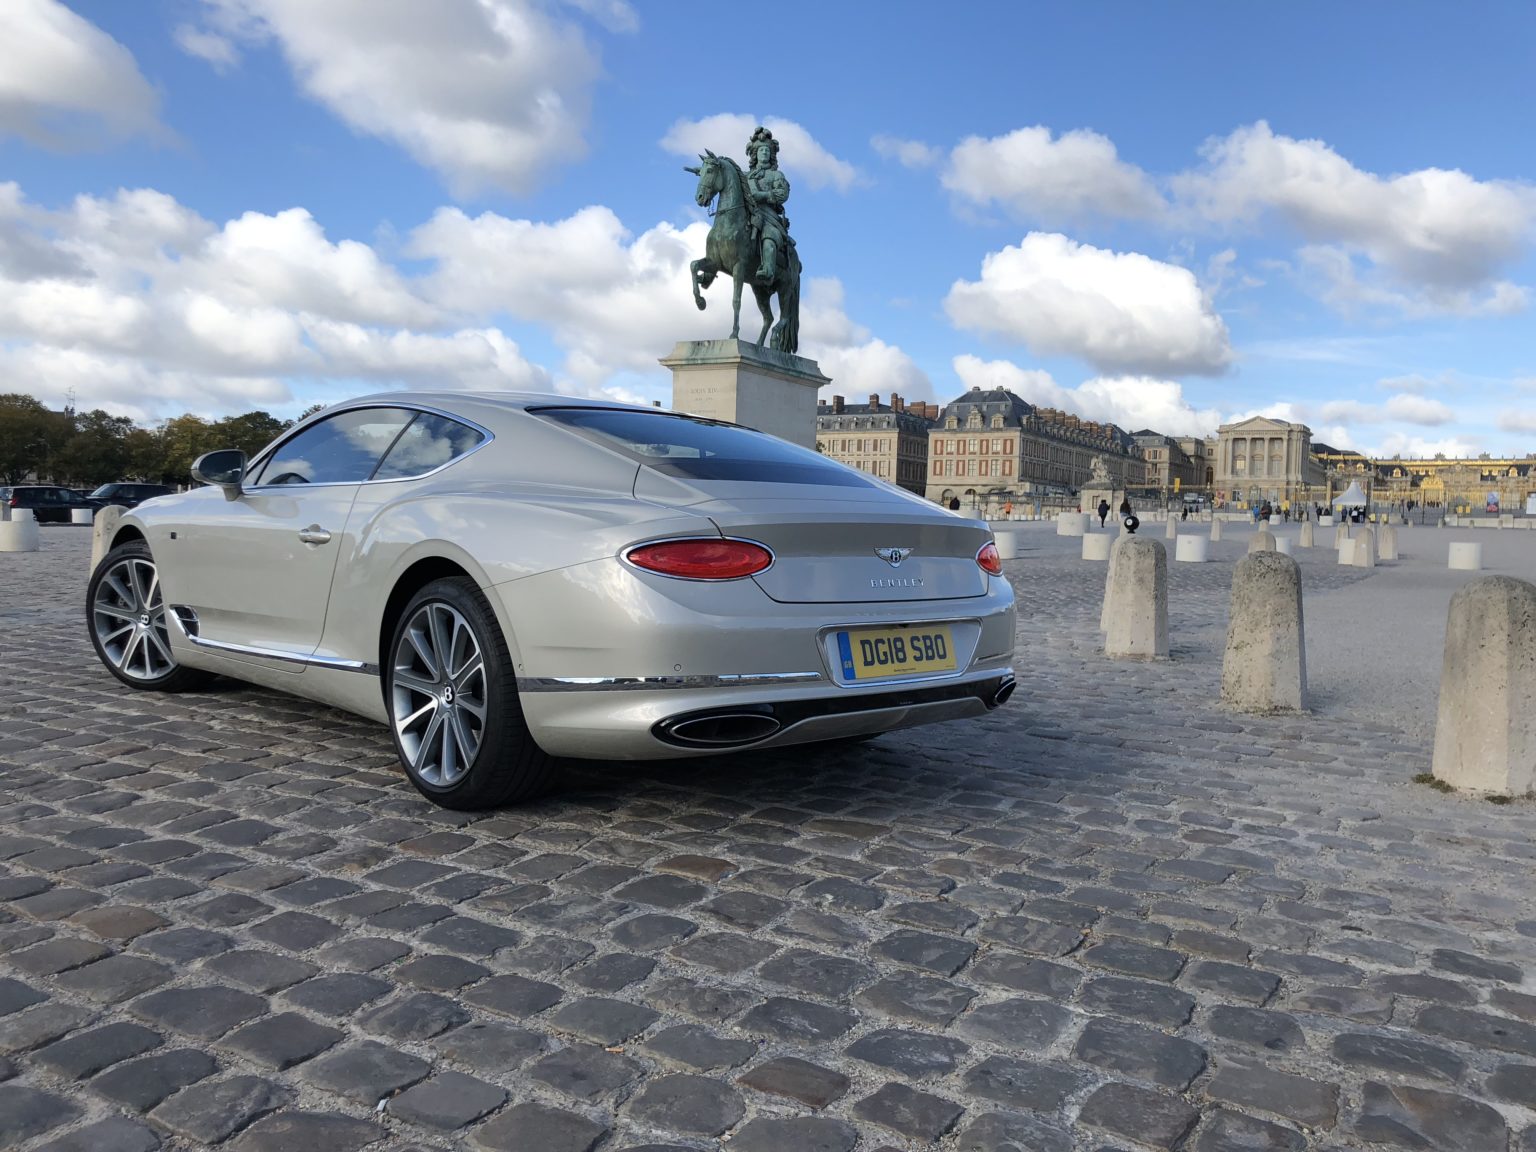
x=763, y=136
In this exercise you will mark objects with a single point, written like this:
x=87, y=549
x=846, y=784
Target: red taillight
x=988, y=560
x=709, y=559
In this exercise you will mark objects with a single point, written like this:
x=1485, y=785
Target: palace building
x=886, y=440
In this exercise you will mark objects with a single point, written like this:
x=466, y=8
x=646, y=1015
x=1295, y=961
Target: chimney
x=897, y=403
x=931, y=411
x=837, y=403
x=874, y=400
x=821, y=401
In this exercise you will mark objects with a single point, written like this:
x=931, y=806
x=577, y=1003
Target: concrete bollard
x=1347, y=553
x=1340, y=536
x=1386, y=542
x=1285, y=545
x=102, y=532
x=1363, y=554
x=1265, y=666
x=1096, y=545
x=1192, y=549
x=1109, y=581
x=1171, y=532
x=1466, y=557
x=81, y=515
x=1138, y=601
x=1071, y=523
x=1215, y=529
x=1485, y=731
x=19, y=533
x=1308, y=534
x=1263, y=541
x=1007, y=545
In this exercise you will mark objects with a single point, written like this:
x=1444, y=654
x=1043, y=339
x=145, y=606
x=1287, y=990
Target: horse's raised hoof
x=700, y=301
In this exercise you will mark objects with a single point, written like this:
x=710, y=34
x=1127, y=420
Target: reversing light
x=710, y=558
x=988, y=560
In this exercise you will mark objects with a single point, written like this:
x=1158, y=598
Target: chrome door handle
x=314, y=534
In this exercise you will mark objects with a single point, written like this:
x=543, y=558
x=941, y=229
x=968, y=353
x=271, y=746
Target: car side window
x=342, y=449
x=430, y=442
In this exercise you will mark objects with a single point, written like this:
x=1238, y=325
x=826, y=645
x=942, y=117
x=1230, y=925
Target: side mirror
x=225, y=469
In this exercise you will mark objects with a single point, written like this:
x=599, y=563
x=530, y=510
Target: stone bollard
x=1386, y=542
x=1171, y=532
x=1466, y=557
x=1347, y=553
x=1096, y=545
x=1308, y=534
x=1485, y=731
x=1265, y=666
x=1191, y=549
x=1138, y=601
x=1071, y=523
x=1284, y=544
x=1363, y=554
x=19, y=533
x=1215, y=529
x=1340, y=536
x=103, y=530
x=1263, y=541
x=1109, y=581
x=1007, y=545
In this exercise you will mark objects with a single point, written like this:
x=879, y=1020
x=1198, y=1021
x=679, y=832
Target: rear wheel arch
x=412, y=581
x=125, y=534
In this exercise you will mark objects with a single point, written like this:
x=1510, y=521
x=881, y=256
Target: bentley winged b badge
x=893, y=556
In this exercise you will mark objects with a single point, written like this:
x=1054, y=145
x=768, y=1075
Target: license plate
x=878, y=653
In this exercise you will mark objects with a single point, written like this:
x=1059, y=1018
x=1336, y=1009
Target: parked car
x=504, y=579
x=50, y=503
x=128, y=494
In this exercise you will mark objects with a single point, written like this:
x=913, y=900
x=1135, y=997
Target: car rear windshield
x=697, y=449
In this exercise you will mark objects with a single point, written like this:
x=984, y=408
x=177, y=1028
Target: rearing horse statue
x=732, y=247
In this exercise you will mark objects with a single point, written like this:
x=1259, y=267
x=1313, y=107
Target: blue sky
x=1160, y=214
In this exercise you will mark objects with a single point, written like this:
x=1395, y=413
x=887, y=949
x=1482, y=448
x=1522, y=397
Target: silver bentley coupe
x=505, y=579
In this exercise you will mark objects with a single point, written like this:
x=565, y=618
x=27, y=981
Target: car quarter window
x=341, y=449
x=430, y=442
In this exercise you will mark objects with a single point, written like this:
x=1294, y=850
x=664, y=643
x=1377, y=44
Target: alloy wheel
x=128, y=615
x=438, y=694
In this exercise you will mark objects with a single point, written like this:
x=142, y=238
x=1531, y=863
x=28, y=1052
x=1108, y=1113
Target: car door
x=257, y=570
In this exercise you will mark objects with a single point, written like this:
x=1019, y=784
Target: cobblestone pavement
x=1109, y=916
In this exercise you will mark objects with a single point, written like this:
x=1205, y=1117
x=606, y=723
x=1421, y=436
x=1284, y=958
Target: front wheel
x=453, y=705
x=126, y=614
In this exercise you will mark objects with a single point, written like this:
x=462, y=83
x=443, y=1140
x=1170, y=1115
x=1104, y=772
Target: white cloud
x=489, y=93
x=1350, y=412
x=1043, y=179
x=1402, y=445
x=727, y=133
x=208, y=46
x=1120, y=311
x=1413, y=382
x=1411, y=409
x=1518, y=420
x=907, y=153
x=1131, y=402
x=858, y=362
x=63, y=81
x=614, y=15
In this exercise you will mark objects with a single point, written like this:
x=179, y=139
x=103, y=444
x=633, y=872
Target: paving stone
x=340, y=995
x=1400, y=1055
x=1425, y=1118
x=662, y=891
x=1031, y=1025
x=613, y=972
x=416, y=1017
x=535, y=1126
x=86, y=1053
x=942, y=954
x=603, y=1020
x=724, y=951
x=213, y=1110
x=1515, y=1003
x=440, y=973
x=1030, y=935
x=470, y=937
x=909, y=1112
x=1479, y=1029
x=913, y=1054
x=57, y=955
x=687, y=1104
x=513, y=996
x=183, y=945
x=815, y=974
x=141, y=1084
x=652, y=930
x=366, y=1072
x=295, y=931
x=260, y=971
x=363, y=954
x=1308, y=1102
x=1002, y=1132
x=1466, y=964
x=308, y=1132
x=1256, y=1028
x=1138, y=1000
x=119, y=922
x=706, y=1002
x=584, y=1071
x=114, y=1134
x=281, y=1041
x=206, y=1013
x=1140, y=1052
x=29, y=1112
x=1362, y=1005
x=1023, y=1084
x=14, y=996
x=547, y=955
x=39, y=1025
x=699, y=1049
x=797, y=1021
x=1139, y=1114
x=843, y=895
x=920, y=999
x=1515, y=1083
x=797, y=1079
x=936, y=915
x=1026, y=974
x=446, y=1101
x=1227, y=1131
x=748, y=911
x=1134, y=959
x=490, y=1047
x=115, y=978
x=800, y=1133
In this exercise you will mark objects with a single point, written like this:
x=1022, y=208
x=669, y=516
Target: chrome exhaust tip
x=1004, y=690
x=718, y=729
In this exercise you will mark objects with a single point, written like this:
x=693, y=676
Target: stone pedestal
x=1137, y=625
x=1386, y=542
x=1096, y=545
x=105, y=528
x=1308, y=534
x=1466, y=557
x=1007, y=545
x=19, y=533
x=1191, y=549
x=1071, y=524
x=1265, y=666
x=1363, y=554
x=1171, y=532
x=1263, y=541
x=737, y=381
x=1088, y=500
x=1215, y=529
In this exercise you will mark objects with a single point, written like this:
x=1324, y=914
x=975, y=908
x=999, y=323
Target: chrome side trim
x=334, y=662
x=657, y=683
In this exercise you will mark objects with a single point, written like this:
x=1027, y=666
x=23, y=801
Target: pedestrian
x=1265, y=512
x=954, y=503
x=1125, y=506
x=1008, y=510
x=1103, y=511
x=1184, y=515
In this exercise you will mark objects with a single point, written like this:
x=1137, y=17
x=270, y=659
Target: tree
x=250, y=432
x=29, y=436
x=97, y=453
x=183, y=439
x=146, y=455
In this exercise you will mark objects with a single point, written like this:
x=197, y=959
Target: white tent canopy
x=1352, y=497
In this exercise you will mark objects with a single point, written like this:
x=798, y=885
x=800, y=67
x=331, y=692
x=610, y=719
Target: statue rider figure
x=768, y=190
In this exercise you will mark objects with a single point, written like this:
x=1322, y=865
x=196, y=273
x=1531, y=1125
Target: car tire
x=125, y=615
x=451, y=694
